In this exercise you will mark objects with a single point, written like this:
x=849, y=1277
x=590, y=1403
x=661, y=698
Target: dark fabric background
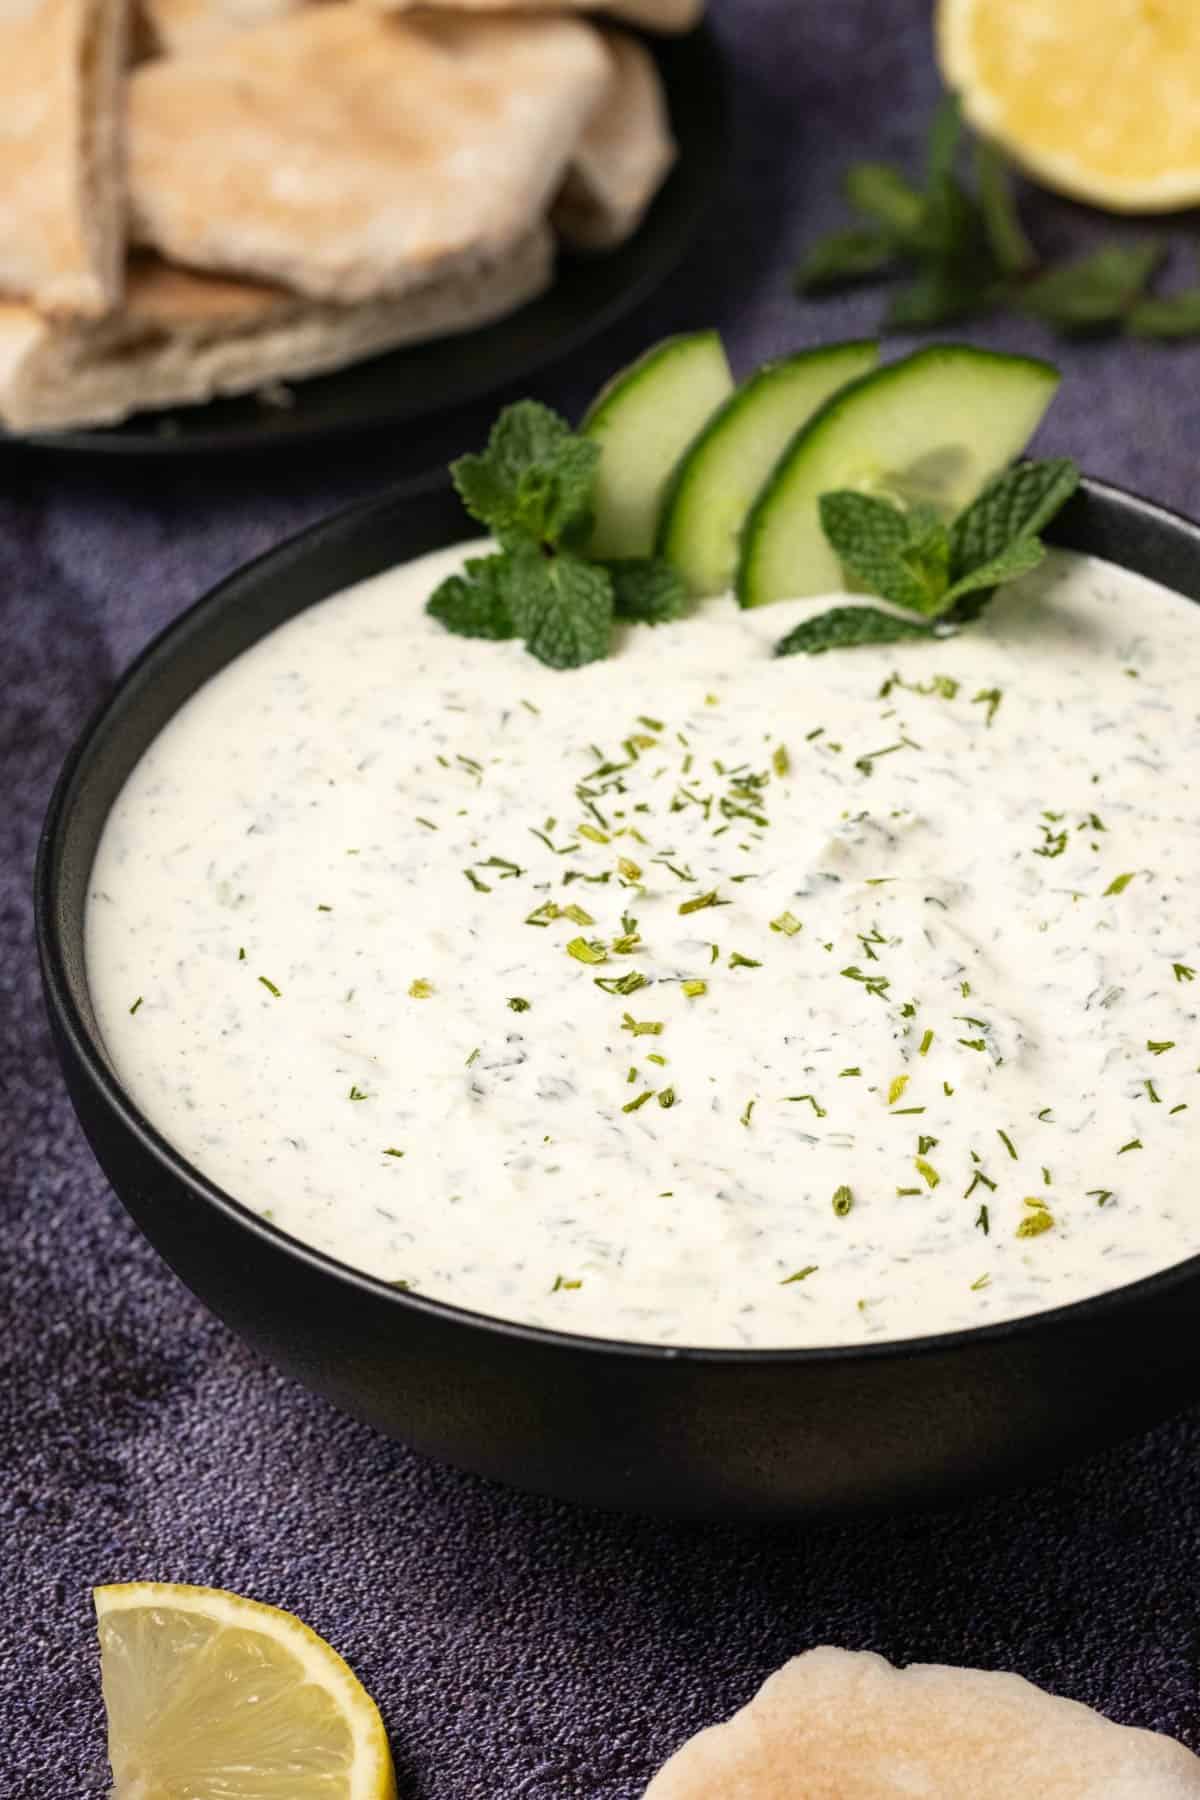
x=516, y=1647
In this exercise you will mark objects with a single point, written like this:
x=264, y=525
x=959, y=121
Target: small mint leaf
x=846, y=626
x=561, y=605
x=647, y=590
x=533, y=481
x=474, y=604
x=943, y=292
x=1172, y=316
x=841, y=258
x=1011, y=249
x=883, y=194
x=945, y=134
x=1020, y=502
x=1017, y=558
x=1096, y=292
x=874, y=544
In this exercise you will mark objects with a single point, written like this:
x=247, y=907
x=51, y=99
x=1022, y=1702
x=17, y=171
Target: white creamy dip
x=945, y=928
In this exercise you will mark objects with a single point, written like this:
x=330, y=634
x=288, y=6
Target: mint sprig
x=943, y=574
x=533, y=488
x=965, y=252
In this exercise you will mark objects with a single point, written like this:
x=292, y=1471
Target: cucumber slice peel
x=716, y=480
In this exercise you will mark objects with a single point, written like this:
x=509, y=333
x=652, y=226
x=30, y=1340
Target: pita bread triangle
x=62, y=218
x=622, y=157
x=835, y=1725
x=349, y=156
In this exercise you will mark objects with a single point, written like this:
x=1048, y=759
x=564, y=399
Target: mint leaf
x=941, y=294
x=1011, y=249
x=1017, y=503
x=882, y=193
x=945, y=135
x=1096, y=292
x=534, y=481
x=845, y=626
x=841, y=258
x=1017, y=558
x=474, y=604
x=890, y=554
x=561, y=605
x=1174, y=316
x=646, y=589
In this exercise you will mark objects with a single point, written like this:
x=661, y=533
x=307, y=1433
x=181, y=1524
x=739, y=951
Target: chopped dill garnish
x=874, y=984
x=1183, y=973
x=586, y=952
x=666, y=1096
x=693, y=989
x=1152, y=1091
x=925, y=1144
x=554, y=849
x=1046, y=1114
x=562, y=1285
x=746, y=1112
x=481, y=887
x=420, y=989
x=509, y=871
x=977, y=1176
x=896, y=1088
x=1133, y=1144
x=577, y=915
x=324, y=909
x=391, y=1151
x=1035, y=1223
x=622, y=984
x=1119, y=883
x=270, y=986
x=903, y=1193
x=631, y=1077
x=923, y=1047
x=641, y=1027
x=842, y=1072
x=800, y=1275
x=843, y=1200
x=241, y=953
x=629, y=869
x=544, y=914
x=1100, y=1195
x=781, y=762
x=812, y=1101
x=738, y=961
x=651, y=724
x=926, y=1171
x=518, y=1005
x=904, y=1112
x=989, y=697
x=703, y=900
x=983, y=1219
x=654, y=1057
x=631, y=1106
x=1182, y=1107
x=980, y=1282
x=473, y=1056
x=788, y=923
x=1157, y=1048
x=593, y=835
x=1008, y=1143
x=427, y=823
x=356, y=1093
x=135, y=1005
x=973, y=1043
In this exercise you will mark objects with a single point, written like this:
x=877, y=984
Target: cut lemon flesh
x=1098, y=98
x=213, y=1697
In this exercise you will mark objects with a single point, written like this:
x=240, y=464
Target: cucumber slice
x=931, y=428
x=718, y=476
x=643, y=420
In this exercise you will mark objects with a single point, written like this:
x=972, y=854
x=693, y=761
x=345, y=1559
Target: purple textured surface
x=516, y=1647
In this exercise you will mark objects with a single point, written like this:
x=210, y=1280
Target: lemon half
x=209, y=1694
x=1097, y=98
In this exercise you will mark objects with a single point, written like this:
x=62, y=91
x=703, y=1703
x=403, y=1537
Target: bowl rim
x=1119, y=508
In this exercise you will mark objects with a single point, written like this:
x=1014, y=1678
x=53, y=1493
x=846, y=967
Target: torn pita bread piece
x=622, y=158
x=62, y=215
x=652, y=15
x=181, y=27
x=349, y=156
x=184, y=338
x=839, y=1725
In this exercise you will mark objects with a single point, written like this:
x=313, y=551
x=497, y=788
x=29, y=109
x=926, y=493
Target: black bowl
x=732, y=1433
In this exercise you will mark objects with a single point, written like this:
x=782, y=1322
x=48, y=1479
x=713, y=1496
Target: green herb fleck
x=135, y=1006
x=787, y=923
x=631, y=1106
x=517, y=1005
x=800, y=1275
x=1157, y=1048
x=1008, y=1143
x=746, y=1112
x=270, y=986
x=1119, y=883
x=1035, y=1223
x=843, y=1200
x=420, y=989
x=585, y=952
x=926, y=1170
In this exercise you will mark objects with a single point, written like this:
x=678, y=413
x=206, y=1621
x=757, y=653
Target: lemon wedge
x=209, y=1694
x=1097, y=98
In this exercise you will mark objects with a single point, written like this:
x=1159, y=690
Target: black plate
x=589, y=293
x=735, y=1433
